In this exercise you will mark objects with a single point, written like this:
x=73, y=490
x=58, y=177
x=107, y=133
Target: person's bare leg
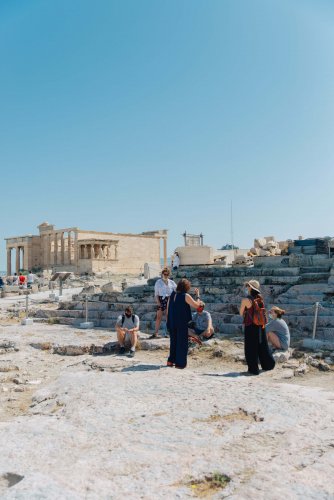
x=120, y=336
x=158, y=321
x=274, y=340
x=208, y=332
x=134, y=340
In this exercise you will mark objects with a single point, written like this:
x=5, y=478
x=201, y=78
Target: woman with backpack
x=254, y=319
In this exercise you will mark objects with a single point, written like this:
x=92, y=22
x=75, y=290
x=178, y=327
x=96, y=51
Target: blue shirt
x=202, y=320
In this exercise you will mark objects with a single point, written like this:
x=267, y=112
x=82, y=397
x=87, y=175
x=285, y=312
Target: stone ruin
x=268, y=247
x=294, y=282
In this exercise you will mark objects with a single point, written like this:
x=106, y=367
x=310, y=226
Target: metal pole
x=86, y=309
x=27, y=303
x=315, y=320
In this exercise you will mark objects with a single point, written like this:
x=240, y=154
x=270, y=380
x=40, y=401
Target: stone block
x=27, y=321
x=281, y=356
x=86, y=325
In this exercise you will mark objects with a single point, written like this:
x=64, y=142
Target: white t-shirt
x=176, y=261
x=162, y=289
x=128, y=323
x=31, y=278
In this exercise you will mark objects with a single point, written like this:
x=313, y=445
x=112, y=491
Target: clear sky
x=131, y=115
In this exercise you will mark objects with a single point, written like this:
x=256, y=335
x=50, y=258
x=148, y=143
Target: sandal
x=208, y=338
x=155, y=336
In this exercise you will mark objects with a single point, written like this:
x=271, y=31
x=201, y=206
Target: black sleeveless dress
x=179, y=315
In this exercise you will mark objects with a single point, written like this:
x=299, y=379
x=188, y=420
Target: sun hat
x=254, y=284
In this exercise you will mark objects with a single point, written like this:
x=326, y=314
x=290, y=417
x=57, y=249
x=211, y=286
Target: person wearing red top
x=22, y=279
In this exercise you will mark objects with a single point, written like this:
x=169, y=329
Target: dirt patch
x=240, y=414
x=209, y=485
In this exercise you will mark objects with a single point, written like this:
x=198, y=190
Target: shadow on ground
x=141, y=368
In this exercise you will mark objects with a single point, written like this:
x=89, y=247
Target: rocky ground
x=80, y=422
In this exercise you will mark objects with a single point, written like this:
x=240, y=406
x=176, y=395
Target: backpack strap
x=133, y=319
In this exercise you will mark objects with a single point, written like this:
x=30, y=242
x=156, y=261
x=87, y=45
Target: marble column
x=165, y=252
x=69, y=248
x=48, y=250
x=76, y=250
x=17, y=266
x=55, y=249
x=9, y=261
x=62, y=249
x=25, y=258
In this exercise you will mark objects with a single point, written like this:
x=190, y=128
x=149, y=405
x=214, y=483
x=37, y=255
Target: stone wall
x=133, y=252
x=295, y=289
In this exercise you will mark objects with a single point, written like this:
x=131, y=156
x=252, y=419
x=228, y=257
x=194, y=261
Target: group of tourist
x=175, y=305
x=21, y=280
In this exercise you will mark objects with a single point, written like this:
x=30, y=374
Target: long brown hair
x=183, y=286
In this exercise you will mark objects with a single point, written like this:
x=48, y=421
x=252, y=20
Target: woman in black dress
x=179, y=315
x=256, y=345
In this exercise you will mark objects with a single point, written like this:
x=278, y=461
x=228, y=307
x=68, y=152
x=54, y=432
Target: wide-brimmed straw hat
x=254, y=284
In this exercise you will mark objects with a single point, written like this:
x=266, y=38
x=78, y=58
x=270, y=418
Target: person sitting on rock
x=277, y=330
x=201, y=324
x=127, y=327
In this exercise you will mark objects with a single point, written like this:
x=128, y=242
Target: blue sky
x=134, y=115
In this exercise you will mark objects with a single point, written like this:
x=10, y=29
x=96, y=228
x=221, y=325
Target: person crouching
x=201, y=324
x=127, y=327
x=277, y=330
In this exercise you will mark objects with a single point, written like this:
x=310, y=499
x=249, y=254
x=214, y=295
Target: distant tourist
x=15, y=280
x=179, y=315
x=30, y=279
x=162, y=291
x=254, y=320
x=278, y=333
x=175, y=261
x=127, y=327
x=201, y=324
x=22, y=279
x=1, y=282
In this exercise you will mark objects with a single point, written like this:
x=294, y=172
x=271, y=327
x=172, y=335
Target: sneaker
x=131, y=353
x=121, y=351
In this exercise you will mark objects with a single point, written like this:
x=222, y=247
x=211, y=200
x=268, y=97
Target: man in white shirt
x=30, y=279
x=163, y=289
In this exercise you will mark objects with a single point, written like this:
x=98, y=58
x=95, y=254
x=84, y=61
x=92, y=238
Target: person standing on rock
x=277, y=330
x=175, y=261
x=254, y=320
x=127, y=327
x=162, y=291
x=179, y=315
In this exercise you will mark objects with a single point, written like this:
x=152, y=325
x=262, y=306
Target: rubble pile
x=268, y=247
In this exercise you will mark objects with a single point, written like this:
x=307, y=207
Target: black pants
x=256, y=349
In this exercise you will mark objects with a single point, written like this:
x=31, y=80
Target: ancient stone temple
x=79, y=251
